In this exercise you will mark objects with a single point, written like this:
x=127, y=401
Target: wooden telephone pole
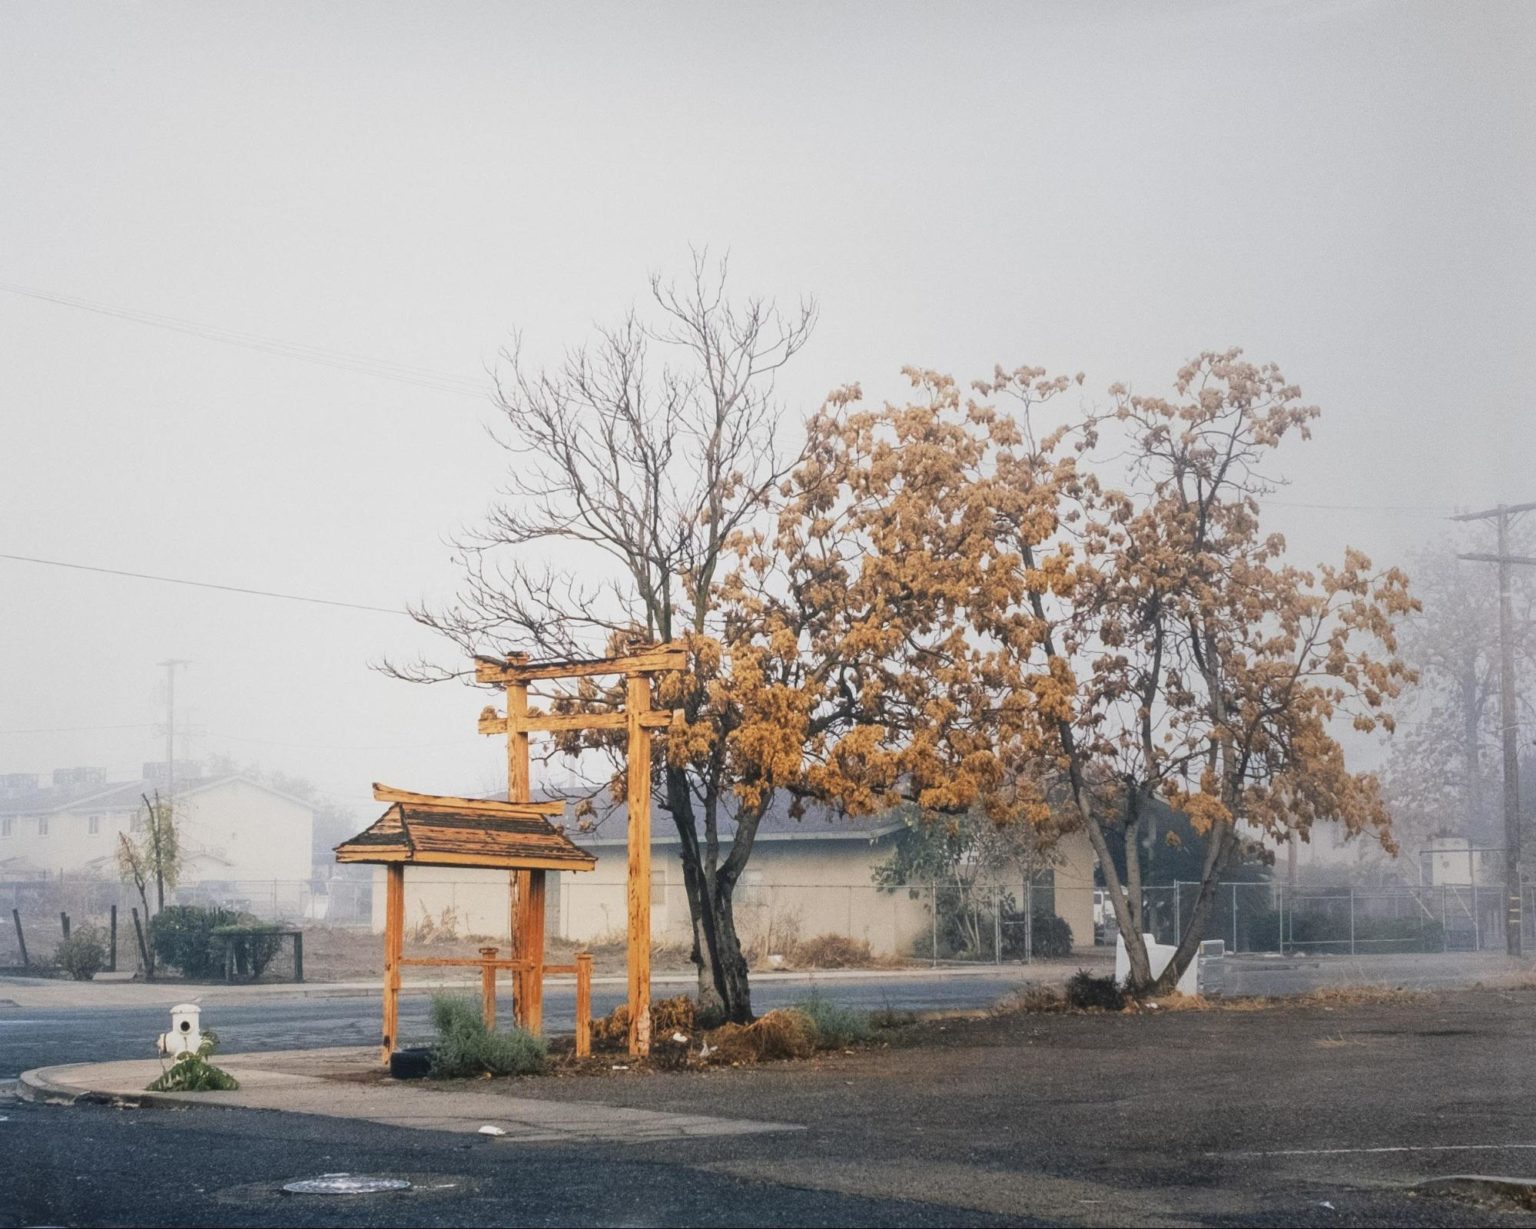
x=1508, y=722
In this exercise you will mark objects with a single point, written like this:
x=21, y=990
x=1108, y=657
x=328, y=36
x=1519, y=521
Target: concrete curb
x=41, y=1088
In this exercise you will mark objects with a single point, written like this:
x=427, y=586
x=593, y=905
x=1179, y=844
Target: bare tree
x=1443, y=774
x=633, y=462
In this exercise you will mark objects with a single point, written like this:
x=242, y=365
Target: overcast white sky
x=1344, y=188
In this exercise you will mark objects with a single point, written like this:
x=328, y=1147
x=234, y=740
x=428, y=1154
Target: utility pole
x=1507, y=714
x=170, y=665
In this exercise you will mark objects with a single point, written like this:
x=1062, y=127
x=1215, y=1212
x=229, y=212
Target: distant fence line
x=1275, y=917
x=982, y=925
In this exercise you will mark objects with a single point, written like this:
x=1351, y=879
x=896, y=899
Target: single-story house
x=807, y=876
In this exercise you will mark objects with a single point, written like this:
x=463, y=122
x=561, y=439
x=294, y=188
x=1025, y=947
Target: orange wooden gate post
x=519, y=789
x=394, y=948
x=637, y=705
x=583, y=1004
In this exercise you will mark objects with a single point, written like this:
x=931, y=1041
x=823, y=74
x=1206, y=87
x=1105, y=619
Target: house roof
x=436, y=830
x=122, y=796
x=816, y=823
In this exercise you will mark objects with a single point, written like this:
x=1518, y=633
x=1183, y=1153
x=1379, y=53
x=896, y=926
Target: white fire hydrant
x=185, y=1037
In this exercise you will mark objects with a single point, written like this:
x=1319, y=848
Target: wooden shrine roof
x=436, y=830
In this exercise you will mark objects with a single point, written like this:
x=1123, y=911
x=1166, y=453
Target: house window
x=42, y=825
x=93, y=825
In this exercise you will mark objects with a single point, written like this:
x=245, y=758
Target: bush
x=190, y=938
x=1085, y=991
x=83, y=954
x=831, y=951
x=836, y=1026
x=182, y=936
x=1050, y=936
x=466, y=1048
x=253, y=950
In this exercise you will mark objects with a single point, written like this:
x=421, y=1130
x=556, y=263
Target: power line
x=80, y=729
x=384, y=369
x=1428, y=509
x=202, y=584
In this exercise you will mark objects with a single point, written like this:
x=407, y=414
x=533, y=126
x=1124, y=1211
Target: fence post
x=21, y=939
x=112, y=951
x=1178, y=914
x=64, y=923
x=1234, y=919
x=1351, y=919
x=298, y=955
x=1029, y=920
x=933, y=902
x=488, y=987
x=997, y=927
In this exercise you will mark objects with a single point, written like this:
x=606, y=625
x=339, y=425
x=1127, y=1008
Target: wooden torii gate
x=638, y=719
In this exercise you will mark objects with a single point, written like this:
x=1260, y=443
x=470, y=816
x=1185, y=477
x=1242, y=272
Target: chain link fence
x=1274, y=917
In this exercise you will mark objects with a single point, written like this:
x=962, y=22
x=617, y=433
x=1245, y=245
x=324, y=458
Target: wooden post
x=64, y=923
x=112, y=951
x=519, y=889
x=583, y=1004
x=138, y=928
x=488, y=987
x=533, y=951
x=637, y=705
x=519, y=788
x=394, y=947
x=298, y=955
x=21, y=939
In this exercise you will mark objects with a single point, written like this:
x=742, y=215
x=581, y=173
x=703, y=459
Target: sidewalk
x=38, y=993
x=346, y=1083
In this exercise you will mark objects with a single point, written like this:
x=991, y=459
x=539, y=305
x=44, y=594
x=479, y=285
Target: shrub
x=836, y=1026
x=83, y=954
x=191, y=939
x=833, y=952
x=1050, y=936
x=252, y=951
x=182, y=936
x=466, y=1048
x=1084, y=990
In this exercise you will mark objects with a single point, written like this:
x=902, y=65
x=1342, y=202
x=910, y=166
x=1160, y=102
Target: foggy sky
x=1342, y=188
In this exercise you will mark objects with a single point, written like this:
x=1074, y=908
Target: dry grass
x=785, y=1033
x=1038, y=1000
x=668, y=1016
x=1031, y=1000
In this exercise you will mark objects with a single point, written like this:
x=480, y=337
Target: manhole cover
x=346, y=1184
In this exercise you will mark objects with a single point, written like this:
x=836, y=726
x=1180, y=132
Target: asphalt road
x=33, y=1038
x=91, y=1165
x=1318, y=1115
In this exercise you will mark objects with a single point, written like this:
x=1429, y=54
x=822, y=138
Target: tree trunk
x=1194, y=931
x=716, y=953
x=730, y=965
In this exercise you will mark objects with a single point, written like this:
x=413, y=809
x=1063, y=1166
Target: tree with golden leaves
x=972, y=613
